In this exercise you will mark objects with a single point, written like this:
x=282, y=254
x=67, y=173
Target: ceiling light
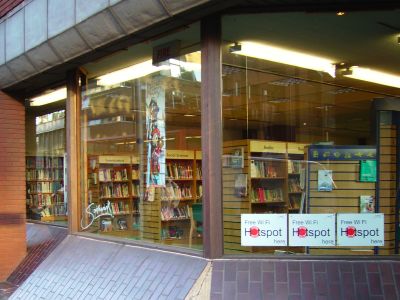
x=374, y=76
x=130, y=73
x=51, y=97
x=284, y=56
x=189, y=115
x=340, y=13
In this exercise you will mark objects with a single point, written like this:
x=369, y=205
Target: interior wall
x=12, y=185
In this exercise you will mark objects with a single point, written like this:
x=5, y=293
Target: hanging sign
x=360, y=229
x=312, y=230
x=264, y=230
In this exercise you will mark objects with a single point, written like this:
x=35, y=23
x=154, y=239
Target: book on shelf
x=241, y=185
x=261, y=195
x=294, y=202
x=174, y=213
x=172, y=191
x=172, y=232
x=294, y=166
x=263, y=169
x=122, y=223
x=106, y=225
x=179, y=171
x=367, y=204
x=294, y=185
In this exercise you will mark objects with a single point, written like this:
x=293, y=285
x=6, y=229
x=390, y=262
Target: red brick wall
x=12, y=185
x=8, y=5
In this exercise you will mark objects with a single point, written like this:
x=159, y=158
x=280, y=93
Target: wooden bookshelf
x=44, y=186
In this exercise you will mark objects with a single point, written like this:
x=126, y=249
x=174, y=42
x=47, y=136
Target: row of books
x=43, y=187
x=198, y=171
x=264, y=169
x=179, y=171
x=175, y=192
x=294, y=166
x=55, y=210
x=41, y=162
x=174, y=213
x=135, y=190
x=44, y=174
x=294, y=185
x=119, y=207
x=260, y=195
x=116, y=190
x=39, y=200
x=113, y=175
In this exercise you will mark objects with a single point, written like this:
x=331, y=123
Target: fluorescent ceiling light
x=374, y=76
x=51, y=97
x=284, y=56
x=130, y=73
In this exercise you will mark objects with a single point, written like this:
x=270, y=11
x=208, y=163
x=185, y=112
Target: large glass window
x=309, y=165
x=140, y=135
x=45, y=153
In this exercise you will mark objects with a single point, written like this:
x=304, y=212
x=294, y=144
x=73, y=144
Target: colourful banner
x=155, y=126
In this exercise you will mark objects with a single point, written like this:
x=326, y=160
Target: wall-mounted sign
x=264, y=230
x=114, y=159
x=312, y=230
x=180, y=154
x=318, y=153
x=360, y=229
x=261, y=146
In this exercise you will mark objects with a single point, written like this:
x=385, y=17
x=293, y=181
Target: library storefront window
x=309, y=158
x=141, y=154
x=45, y=158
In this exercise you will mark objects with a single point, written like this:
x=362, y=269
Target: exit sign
x=166, y=51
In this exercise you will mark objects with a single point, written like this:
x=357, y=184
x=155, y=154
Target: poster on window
x=360, y=229
x=155, y=133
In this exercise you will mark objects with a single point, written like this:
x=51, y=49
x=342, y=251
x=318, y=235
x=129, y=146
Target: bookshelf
x=183, y=188
x=269, y=179
x=44, y=186
x=113, y=181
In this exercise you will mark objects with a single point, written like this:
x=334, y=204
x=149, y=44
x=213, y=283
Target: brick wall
x=8, y=5
x=12, y=185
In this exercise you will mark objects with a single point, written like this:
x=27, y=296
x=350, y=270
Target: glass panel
x=141, y=158
x=300, y=155
x=45, y=163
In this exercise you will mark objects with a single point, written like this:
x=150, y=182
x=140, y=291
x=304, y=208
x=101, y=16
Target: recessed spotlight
x=340, y=13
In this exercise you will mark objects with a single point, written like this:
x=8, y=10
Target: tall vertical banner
x=155, y=132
